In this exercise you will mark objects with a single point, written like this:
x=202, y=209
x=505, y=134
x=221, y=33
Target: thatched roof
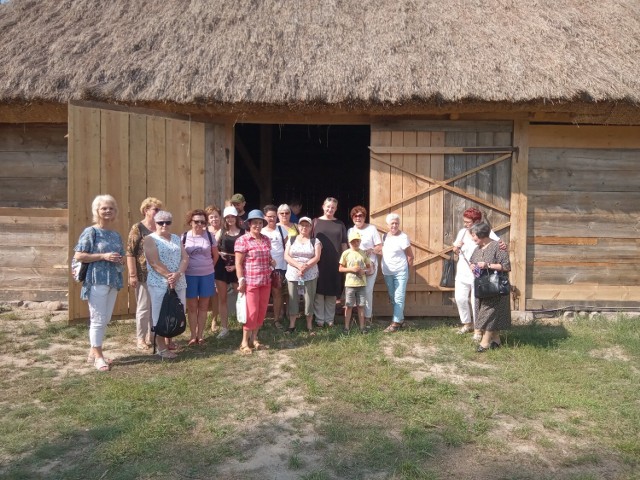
x=325, y=52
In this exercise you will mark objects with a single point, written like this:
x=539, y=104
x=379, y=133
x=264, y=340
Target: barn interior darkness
x=309, y=162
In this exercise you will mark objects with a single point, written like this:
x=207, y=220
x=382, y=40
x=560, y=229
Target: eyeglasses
x=356, y=215
x=199, y=222
x=304, y=225
x=284, y=213
x=162, y=224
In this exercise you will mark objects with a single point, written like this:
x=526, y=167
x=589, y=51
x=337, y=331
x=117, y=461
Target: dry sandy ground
x=269, y=459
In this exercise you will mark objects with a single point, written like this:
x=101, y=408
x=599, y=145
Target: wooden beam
x=589, y=136
x=440, y=150
x=519, y=189
x=562, y=240
x=582, y=292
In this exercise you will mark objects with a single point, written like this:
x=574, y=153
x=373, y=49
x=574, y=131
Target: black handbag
x=491, y=284
x=448, y=278
x=172, y=321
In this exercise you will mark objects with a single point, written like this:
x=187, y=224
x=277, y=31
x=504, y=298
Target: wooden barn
x=528, y=110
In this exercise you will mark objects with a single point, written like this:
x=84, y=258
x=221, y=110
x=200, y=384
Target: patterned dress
x=494, y=313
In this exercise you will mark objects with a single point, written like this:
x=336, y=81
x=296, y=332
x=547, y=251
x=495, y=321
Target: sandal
x=166, y=353
x=278, y=325
x=260, y=346
x=142, y=346
x=311, y=332
x=101, y=364
x=172, y=346
x=92, y=359
x=245, y=350
x=464, y=329
x=201, y=341
x=192, y=342
x=290, y=330
x=394, y=327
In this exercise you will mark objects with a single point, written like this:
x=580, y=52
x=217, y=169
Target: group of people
x=261, y=254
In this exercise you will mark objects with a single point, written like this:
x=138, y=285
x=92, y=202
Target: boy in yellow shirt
x=356, y=264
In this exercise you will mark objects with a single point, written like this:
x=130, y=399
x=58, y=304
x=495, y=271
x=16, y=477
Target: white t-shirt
x=463, y=271
x=394, y=260
x=277, y=247
x=369, y=238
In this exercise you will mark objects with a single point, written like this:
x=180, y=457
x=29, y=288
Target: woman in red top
x=253, y=266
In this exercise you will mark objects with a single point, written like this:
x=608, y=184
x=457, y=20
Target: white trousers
x=143, y=313
x=465, y=300
x=156, y=294
x=102, y=299
x=368, y=294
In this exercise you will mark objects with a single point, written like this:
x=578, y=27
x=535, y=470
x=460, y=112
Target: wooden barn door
x=429, y=173
x=132, y=156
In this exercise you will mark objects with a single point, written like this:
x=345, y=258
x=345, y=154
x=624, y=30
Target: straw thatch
x=325, y=52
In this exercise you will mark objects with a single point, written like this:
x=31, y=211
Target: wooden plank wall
x=133, y=156
x=583, y=216
x=433, y=219
x=33, y=215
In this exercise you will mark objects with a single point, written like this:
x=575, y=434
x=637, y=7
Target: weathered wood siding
x=133, y=156
x=583, y=216
x=424, y=171
x=33, y=215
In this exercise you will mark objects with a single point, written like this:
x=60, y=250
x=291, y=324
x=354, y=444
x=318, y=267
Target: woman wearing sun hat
x=253, y=266
x=225, y=269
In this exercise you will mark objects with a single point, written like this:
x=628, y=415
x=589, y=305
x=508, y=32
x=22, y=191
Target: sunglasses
x=162, y=224
x=358, y=215
x=199, y=222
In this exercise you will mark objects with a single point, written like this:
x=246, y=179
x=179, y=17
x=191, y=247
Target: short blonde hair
x=147, y=202
x=99, y=200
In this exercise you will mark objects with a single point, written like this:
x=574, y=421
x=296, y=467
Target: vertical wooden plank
x=379, y=194
x=156, y=159
x=519, y=191
x=502, y=188
x=198, y=199
x=436, y=207
x=137, y=179
x=409, y=211
x=83, y=186
x=114, y=166
x=423, y=217
x=178, y=170
x=397, y=140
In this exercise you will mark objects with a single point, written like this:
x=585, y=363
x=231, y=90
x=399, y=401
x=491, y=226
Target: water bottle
x=300, y=287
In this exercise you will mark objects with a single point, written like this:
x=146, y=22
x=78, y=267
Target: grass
x=326, y=407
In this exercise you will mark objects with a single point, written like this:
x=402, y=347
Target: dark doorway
x=276, y=163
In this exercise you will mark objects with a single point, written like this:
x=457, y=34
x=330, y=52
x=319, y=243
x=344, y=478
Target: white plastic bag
x=241, y=308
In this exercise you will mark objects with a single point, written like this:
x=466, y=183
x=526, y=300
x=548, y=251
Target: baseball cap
x=354, y=236
x=230, y=211
x=305, y=219
x=237, y=198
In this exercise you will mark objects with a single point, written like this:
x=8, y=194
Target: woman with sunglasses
x=137, y=266
x=371, y=244
x=202, y=249
x=166, y=263
x=284, y=220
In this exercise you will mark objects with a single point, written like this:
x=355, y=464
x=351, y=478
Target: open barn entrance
x=276, y=163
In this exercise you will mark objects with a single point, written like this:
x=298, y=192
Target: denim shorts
x=354, y=296
x=200, y=286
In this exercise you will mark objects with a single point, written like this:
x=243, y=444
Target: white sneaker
x=223, y=332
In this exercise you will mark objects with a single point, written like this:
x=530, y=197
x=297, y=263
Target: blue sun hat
x=253, y=214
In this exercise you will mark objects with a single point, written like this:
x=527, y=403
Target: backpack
x=172, y=321
x=184, y=238
x=293, y=239
x=79, y=269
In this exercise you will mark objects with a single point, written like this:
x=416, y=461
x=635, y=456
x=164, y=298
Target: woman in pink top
x=202, y=249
